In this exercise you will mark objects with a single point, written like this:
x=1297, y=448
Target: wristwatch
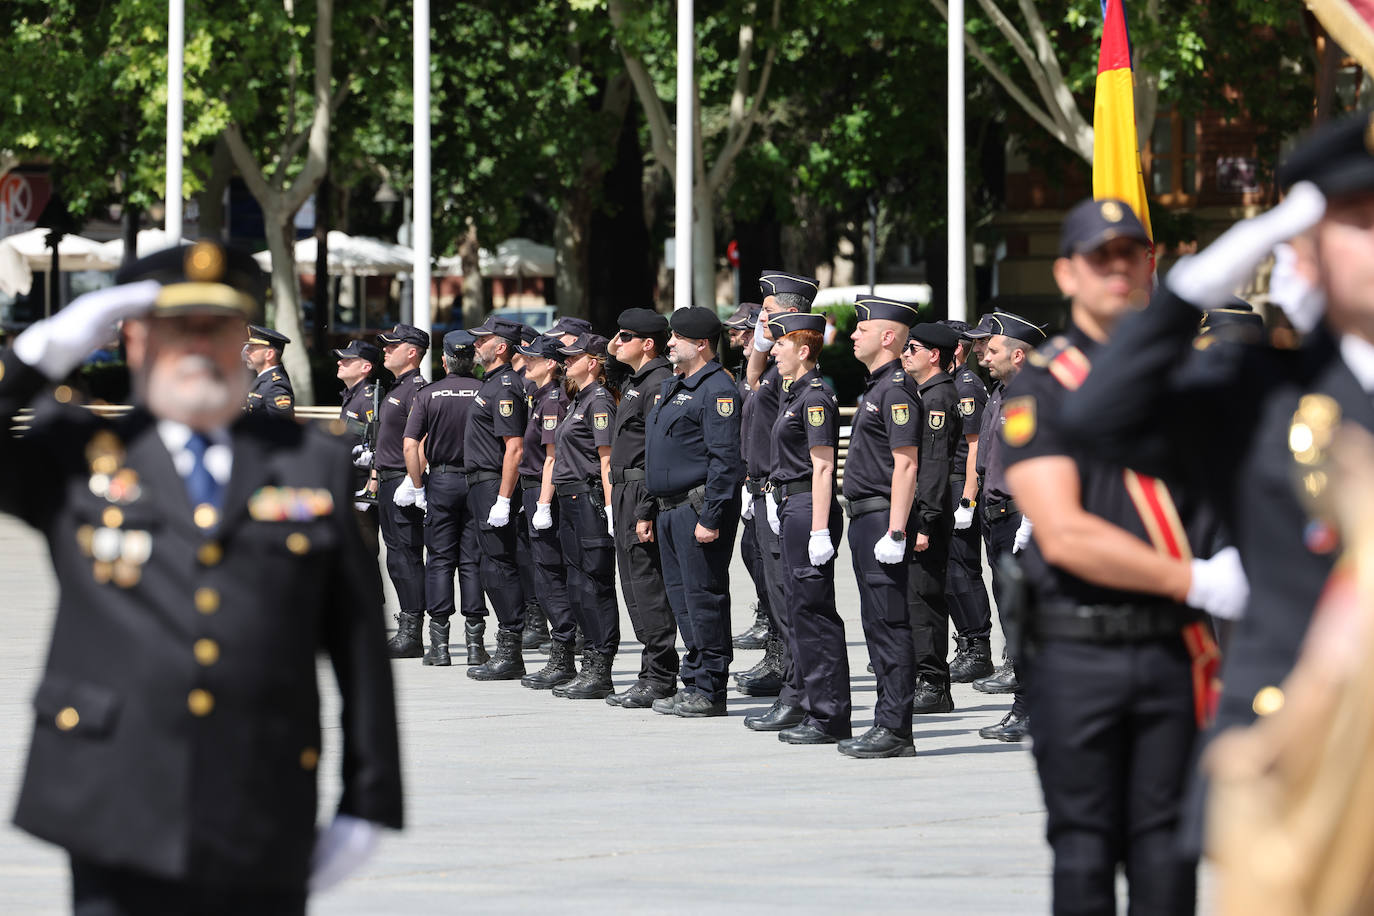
x=897, y=536
x=967, y=503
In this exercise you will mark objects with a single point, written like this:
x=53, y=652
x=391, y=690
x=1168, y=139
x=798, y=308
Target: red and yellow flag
x=1116, y=150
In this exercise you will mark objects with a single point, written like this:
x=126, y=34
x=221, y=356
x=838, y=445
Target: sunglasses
x=912, y=346
x=627, y=336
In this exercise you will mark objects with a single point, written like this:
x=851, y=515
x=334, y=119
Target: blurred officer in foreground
x=402, y=518
x=492, y=449
x=880, y=491
x=361, y=401
x=434, y=443
x=1116, y=598
x=640, y=344
x=802, y=483
x=204, y=557
x=691, y=441
x=271, y=391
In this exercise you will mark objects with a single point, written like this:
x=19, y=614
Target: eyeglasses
x=627, y=336
x=912, y=346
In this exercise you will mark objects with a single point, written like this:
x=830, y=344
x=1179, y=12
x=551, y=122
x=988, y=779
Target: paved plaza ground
x=517, y=801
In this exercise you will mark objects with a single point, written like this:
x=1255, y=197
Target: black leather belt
x=385, y=474
x=784, y=490
x=1111, y=622
x=529, y=483
x=446, y=469
x=572, y=489
x=696, y=496
x=855, y=507
x=754, y=487
x=999, y=509
x=476, y=477
x=623, y=475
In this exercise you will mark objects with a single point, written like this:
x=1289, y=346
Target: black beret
x=267, y=337
x=931, y=334
x=787, y=322
x=593, y=344
x=458, y=339
x=500, y=327
x=205, y=278
x=570, y=325
x=772, y=282
x=642, y=321
x=360, y=349
x=405, y=333
x=745, y=317
x=695, y=323
x=1093, y=223
x=545, y=346
x=1338, y=157
x=880, y=308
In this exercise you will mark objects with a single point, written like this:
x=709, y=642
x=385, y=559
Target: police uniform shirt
x=585, y=429
x=888, y=416
x=500, y=409
x=807, y=418
x=358, y=411
x=991, y=467
x=637, y=398
x=1032, y=428
x=391, y=420
x=272, y=393
x=940, y=430
x=439, y=417
x=763, y=411
x=973, y=398
x=548, y=406
x=692, y=439
x=746, y=415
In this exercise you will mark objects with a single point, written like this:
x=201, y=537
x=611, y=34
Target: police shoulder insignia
x=1018, y=421
x=966, y=406
x=901, y=414
x=936, y=419
x=815, y=415
x=370, y=415
x=283, y=401
x=601, y=420
x=550, y=422
x=506, y=406
x=725, y=406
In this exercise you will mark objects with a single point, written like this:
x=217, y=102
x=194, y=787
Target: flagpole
x=421, y=212
x=176, y=52
x=682, y=202
x=958, y=294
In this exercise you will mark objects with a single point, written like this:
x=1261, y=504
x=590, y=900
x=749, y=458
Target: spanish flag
x=1116, y=151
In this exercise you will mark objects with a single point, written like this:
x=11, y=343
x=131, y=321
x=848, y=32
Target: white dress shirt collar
x=219, y=457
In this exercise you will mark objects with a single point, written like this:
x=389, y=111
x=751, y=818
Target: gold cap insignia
x=1111, y=211
x=204, y=262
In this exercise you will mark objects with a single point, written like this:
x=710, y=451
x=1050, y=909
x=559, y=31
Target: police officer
x=492, y=450
x=880, y=492
x=692, y=459
x=361, y=399
x=271, y=391
x=775, y=675
x=204, y=558
x=536, y=623
x=582, y=482
x=402, y=521
x=1109, y=674
x=928, y=349
x=640, y=344
x=802, y=483
x=434, y=435
x=964, y=590
x=543, y=367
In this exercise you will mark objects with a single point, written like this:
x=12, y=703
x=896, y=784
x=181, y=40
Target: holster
x=1013, y=605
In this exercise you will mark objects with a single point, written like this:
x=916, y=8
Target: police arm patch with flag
x=601, y=420
x=936, y=419
x=725, y=406
x=901, y=414
x=506, y=406
x=1018, y=421
x=966, y=406
x=815, y=415
x=550, y=422
x=283, y=401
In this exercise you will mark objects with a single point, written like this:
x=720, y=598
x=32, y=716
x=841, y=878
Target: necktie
x=201, y=485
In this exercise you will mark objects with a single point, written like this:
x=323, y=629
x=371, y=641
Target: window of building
x=1172, y=160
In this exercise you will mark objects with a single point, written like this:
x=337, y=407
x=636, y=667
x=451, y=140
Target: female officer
x=582, y=480
x=805, y=437
x=549, y=405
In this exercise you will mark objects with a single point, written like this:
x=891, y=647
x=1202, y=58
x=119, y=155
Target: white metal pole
x=421, y=237
x=686, y=114
x=958, y=295
x=176, y=52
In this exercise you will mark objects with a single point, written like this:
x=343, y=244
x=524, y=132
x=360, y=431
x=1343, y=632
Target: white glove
x=359, y=503
x=963, y=518
x=341, y=849
x=748, y=500
x=57, y=345
x=762, y=343
x=1023, y=535
x=1210, y=278
x=362, y=456
x=889, y=551
x=420, y=502
x=404, y=494
x=543, y=517
x=1219, y=585
x=610, y=521
x=1301, y=302
x=773, y=521
x=819, y=548
x=499, y=516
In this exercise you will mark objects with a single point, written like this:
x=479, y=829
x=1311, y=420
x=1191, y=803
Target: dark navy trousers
x=403, y=533
x=589, y=551
x=886, y=621
x=500, y=577
x=549, y=571
x=451, y=544
x=697, y=577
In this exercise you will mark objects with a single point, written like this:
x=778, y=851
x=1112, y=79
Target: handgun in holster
x=1013, y=604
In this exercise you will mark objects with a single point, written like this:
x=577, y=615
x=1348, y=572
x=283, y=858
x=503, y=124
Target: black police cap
x=695, y=323
x=959, y=327
x=1338, y=157
x=201, y=278
x=527, y=334
x=458, y=340
x=881, y=308
x=405, y=333
x=745, y=317
x=593, y=344
x=545, y=346
x=1236, y=313
x=361, y=349
x=787, y=322
x=501, y=327
x=931, y=334
x=642, y=321
x=1012, y=325
x=1093, y=223
x=570, y=325
x=267, y=337
x=773, y=282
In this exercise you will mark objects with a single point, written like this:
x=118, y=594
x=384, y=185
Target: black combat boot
x=536, y=627
x=437, y=653
x=597, y=685
x=756, y=636
x=1003, y=680
x=474, y=632
x=931, y=698
x=560, y=669
x=508, y=664
x=973, y=662
x=407, y=642
x=583, y=678
x=765, y=678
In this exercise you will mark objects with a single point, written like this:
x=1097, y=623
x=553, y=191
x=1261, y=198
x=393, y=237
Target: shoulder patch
x=1070, y=368
x=966, y=406
x=725, y=406
x=283, y=401
x=936, y=419
x=901, y=414
x=601, y=420
x=506, y=406
x=816, y=415
x=550, y=422
x=1018, y=421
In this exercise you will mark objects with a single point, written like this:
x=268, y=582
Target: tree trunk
x=286, y=303
x=474, y=307
x=703, y=247
x=212, y=197
x=571, y=221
